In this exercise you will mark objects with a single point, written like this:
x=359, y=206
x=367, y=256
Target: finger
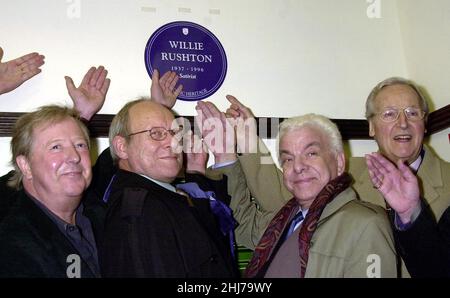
x=205, y=110
x=212, y=107
x=374, y=175
x=234, y=101
x=169, y=80
x=373, y=170
x=164, y=77
x=232, y=113
x=95, y=76
x=174, y=82
x=1, y=54
x=105, y=86
x=101, y=79
x=33, y=63
x=211, y=110
x=378, y=167
x=406, y=172
x=155, y=76
x=384, y=163
x=69, y=84
x=29, y=74
x=178, y=90
x=25, y=58
x=236, y=104
x=87, y=77
x=198, y=118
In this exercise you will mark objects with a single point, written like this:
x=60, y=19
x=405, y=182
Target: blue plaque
x=193, y=52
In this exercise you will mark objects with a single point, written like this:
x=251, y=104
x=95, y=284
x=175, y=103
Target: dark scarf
x=265, y=248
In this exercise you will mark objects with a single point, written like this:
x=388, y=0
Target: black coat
x=31, y=245
x=153, y=232
x=425, y=246
x=6, y=195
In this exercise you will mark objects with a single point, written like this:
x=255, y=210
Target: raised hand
x=216, y=131
x=163, y=89
x=196, y=155
x=89, y=97
x=237, y=109
x=398, y=185
x=245, y=123
x=15, y=72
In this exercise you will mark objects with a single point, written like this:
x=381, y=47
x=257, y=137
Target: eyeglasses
x=159, y=133
x=392, y=114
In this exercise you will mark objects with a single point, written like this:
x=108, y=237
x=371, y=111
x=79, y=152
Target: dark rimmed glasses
x=159, y=133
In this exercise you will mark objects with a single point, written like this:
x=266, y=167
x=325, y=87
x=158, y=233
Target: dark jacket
x=153, y=232
x=31, y=245
x=6, y=195
x=425, y=246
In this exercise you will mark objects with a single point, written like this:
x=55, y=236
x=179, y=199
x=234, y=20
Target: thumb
x=155, y=75
x=69, y=84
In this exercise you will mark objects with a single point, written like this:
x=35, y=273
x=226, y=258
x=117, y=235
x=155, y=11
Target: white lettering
x=74, y=269
x=374, y=269
x=374, y=9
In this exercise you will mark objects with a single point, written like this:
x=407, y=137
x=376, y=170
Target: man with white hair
x=324, y=230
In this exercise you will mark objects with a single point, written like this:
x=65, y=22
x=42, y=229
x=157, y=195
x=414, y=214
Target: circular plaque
x=193, y=52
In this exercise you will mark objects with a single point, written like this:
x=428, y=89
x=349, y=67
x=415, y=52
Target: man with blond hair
x=46, y=232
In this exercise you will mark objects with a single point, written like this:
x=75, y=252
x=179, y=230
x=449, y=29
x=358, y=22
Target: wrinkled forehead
x=58, y=129
x=145, y=115
x=304, y=137
x=399, y=95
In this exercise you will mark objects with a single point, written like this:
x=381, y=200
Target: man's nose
x=299, y=165
x=72, y=155
x=402, y=120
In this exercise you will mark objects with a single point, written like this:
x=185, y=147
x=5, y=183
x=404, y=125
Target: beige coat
x=434, y=179
x=352, y=238
x=349, y=230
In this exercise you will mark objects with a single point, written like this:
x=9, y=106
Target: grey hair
x=370, y=102
x=318, y=121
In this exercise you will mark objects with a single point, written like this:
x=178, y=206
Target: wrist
x=225, y=157
x=410, y=215
x=195, y=169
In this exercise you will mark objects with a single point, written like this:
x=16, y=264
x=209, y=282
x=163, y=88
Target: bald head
x=141, y=142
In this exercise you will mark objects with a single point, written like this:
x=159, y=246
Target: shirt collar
x=166, y=185
x=62, y=224
x=416, y=164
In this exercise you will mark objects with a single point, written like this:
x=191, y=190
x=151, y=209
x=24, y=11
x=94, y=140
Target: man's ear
x=371, y=128
x=120, y=147
x=340, y=157
x=24, y=166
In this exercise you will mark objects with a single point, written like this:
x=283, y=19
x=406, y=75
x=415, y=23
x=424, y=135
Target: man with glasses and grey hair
x=397, y=114
x=151, y=229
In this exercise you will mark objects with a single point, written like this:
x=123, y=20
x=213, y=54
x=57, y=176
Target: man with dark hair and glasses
x=152, y=229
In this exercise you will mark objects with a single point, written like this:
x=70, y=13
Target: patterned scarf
x=266, y=246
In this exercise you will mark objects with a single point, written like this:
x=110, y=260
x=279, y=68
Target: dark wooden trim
x=438, y=120
x=350, y=128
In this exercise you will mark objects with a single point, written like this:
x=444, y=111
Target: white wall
x=425, y=31
x=285, y=57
